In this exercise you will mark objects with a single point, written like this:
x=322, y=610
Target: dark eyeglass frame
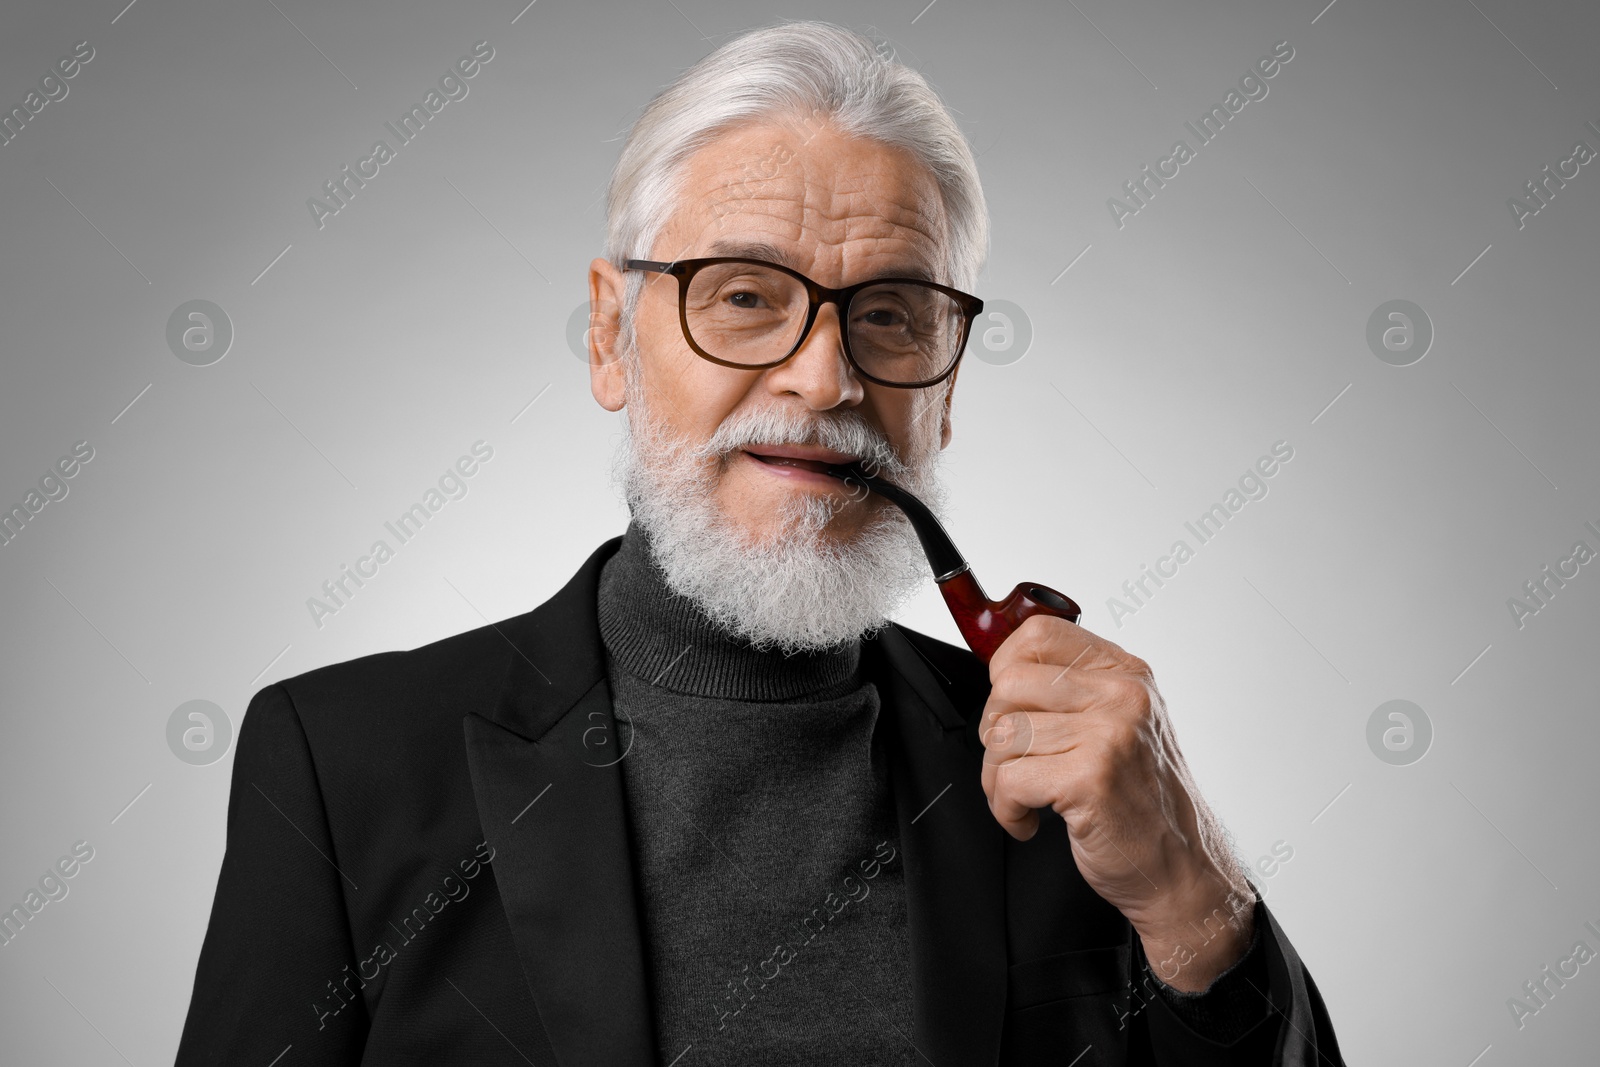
x=685, y=270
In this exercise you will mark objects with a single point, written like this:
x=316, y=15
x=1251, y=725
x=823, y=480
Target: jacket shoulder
x=379, y=741
x=405, y=690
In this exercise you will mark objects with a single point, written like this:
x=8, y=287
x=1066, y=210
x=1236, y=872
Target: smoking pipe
x=984, y=623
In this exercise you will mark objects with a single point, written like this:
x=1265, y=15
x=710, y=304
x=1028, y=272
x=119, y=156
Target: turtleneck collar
x=667, y=640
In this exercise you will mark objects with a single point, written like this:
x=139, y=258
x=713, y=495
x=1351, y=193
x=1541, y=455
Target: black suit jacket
x=428, y=862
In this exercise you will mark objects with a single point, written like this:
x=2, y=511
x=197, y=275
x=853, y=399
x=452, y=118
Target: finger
x=1030, y=737
x=1022, y=829
x=1019, y=787
x=1021, y=734
x=1048, y=639
x=1049, y=688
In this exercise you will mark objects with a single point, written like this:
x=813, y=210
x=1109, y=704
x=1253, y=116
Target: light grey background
x=1230, y=313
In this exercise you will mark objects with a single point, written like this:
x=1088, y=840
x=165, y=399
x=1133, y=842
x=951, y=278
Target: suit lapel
x=954, y=859
x=551, y=802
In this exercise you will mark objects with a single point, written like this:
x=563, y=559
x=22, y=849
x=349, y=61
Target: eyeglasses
x=751, y=314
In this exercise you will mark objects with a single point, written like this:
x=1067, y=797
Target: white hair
x=794, y=69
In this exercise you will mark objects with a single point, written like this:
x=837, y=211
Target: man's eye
x=884, y=317
x=751, y=297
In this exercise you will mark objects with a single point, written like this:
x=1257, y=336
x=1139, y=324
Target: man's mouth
x=783, y=461
x=803, y=457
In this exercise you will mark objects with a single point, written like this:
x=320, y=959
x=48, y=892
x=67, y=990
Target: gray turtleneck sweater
x=764, y=834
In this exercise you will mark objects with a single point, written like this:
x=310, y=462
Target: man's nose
x=819, y=373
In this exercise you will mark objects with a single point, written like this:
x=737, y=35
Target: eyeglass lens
x=750, y=314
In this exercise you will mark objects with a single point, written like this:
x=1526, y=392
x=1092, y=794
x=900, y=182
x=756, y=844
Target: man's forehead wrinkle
x=899, y=235
x=906, y=200
x=863, y=208
x=867, y=219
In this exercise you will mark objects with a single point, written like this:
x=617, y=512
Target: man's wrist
x=1196, y=941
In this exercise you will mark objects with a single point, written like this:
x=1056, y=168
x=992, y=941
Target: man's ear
x=605, y=322
x=945, y=429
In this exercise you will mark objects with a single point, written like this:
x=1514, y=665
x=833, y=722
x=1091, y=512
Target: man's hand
x=1075, y=723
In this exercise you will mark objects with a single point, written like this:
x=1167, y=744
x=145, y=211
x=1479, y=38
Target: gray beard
x=802, y=591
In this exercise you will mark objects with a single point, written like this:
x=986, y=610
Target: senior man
x=707, y=805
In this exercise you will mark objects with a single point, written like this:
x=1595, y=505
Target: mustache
x=848, y=433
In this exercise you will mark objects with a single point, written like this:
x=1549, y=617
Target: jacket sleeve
x=1293, y=1029
x=272, y=970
